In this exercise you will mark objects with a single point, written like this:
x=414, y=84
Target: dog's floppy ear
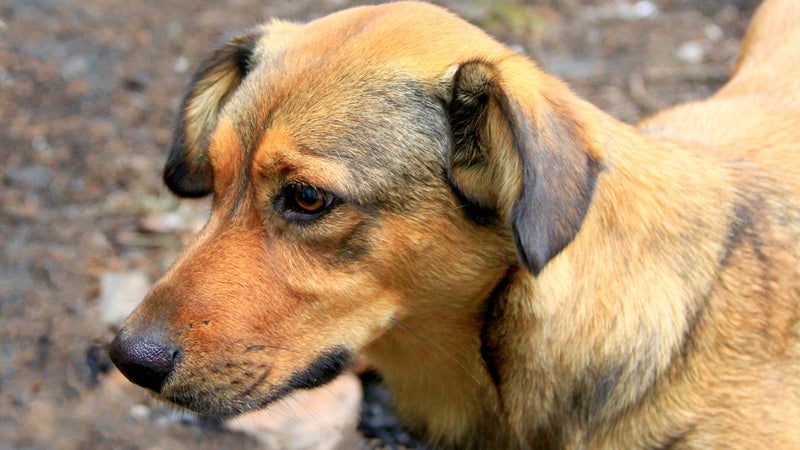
x=520, y=155
x=188, y=172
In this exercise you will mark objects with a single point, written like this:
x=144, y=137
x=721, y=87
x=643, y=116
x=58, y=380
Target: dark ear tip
x=187, y=182
x=529, y=255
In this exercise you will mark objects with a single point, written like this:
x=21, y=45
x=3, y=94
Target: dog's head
x=373, y=165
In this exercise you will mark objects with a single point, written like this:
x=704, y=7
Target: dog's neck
x=603, y=323
x=433, y=367
x=593, y=321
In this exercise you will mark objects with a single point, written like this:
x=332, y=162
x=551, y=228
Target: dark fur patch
x=466, y=114
x=492, y=335
x=594, y=391
x=344, y=251
x=187, y=172
x=605, y=385
x=322, y=370
x=189, y=178
x=355, y=246
x=480, y=215
x=678, y=439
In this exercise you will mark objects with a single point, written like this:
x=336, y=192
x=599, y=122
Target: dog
x=522, y=269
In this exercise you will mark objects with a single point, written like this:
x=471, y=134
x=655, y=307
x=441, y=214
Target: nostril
x=143, y=359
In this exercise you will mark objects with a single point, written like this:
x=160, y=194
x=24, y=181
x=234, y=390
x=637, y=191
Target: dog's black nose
x=144, y=360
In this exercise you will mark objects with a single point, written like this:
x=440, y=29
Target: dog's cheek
x=432, y=259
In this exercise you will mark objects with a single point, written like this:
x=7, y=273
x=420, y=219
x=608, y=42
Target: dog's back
x=762, y=99
x=770, y=60
x=750, y=127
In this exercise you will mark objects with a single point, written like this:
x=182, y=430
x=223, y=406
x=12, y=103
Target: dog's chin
x=219, y=403
x=219, y=406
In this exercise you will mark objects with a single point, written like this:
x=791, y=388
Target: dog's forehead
x=376, y=124
x=336, y=98
x=419, y=36
x=361, y=87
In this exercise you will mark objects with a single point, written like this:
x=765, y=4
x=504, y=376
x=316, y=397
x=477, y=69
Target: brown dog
x=524, y=270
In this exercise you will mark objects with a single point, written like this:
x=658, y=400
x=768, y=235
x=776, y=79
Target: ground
x=88, y=93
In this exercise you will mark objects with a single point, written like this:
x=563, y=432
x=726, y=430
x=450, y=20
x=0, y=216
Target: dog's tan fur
x=524, y=270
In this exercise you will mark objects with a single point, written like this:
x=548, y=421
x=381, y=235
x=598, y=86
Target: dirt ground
x=88, y=93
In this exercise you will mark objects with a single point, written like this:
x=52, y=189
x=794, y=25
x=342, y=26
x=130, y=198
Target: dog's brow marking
x=273, y=166
x=251, y=132
x=356, y=245
x=491, y=320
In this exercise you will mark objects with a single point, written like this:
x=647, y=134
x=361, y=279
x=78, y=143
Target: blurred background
x=88, y=94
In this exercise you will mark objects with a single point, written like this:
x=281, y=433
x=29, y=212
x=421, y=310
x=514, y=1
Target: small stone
x=140, y=412
x=181, y=65
x=645, y=9
x=36, y=176
x=691, y=52
x=713, y=32
x=40, y=144
x=161, y=223
x=6, y=80
x=120, y=294
x=174, y=30
x=168, y=415
x=74, y=67
x=97, y=362
x=135, y=83
x=97, y=240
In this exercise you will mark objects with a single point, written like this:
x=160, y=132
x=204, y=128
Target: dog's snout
x=144, y=359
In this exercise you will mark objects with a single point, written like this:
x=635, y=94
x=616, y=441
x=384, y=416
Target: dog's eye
x=302, y=201
x=309, y=198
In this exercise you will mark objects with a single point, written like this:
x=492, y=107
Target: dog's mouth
x=213, y=403
x=242, y=378
x=231, y=389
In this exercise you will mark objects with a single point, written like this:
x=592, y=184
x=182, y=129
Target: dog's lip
x=324, y=369
x=206, y=405
x=206, y=401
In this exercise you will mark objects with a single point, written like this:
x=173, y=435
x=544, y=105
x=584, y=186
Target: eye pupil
x=302, y=203
x=309, y=198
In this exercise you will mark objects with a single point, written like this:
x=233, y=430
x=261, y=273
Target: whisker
x=304, y=405
x=257, y=347
x=259, y=381
x=277, y=347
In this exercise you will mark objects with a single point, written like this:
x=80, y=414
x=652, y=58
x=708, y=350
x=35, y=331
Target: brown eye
x=302, y=202
x=309, y=198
